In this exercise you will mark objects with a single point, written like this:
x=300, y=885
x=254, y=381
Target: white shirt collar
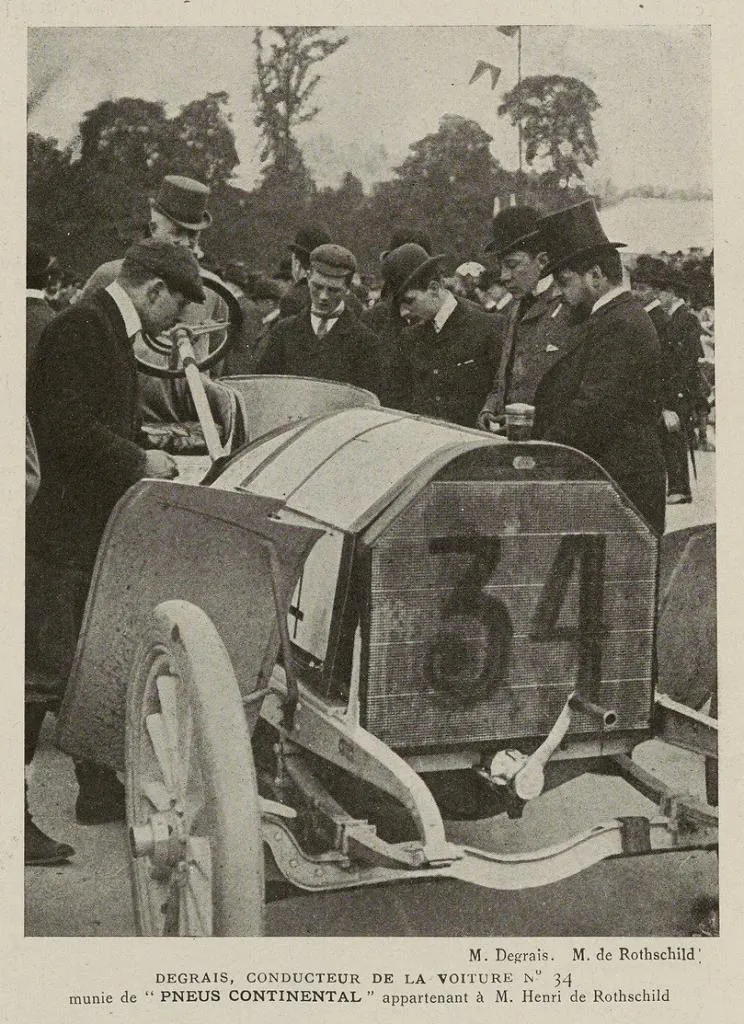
x=35, y=293
x=316, y=321
x=675, y=306
x=130, y=316
x=613, y=293
x=504, y=301
x=652, y=305
x=445, y=311
x=542, y=285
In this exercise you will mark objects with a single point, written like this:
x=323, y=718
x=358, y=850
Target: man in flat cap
x=325, y=340
x=538, y=322
x=452, y=349
x=603, y=394
x=297, y=297
x=82, y=402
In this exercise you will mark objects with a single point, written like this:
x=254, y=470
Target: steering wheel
x=227, y=333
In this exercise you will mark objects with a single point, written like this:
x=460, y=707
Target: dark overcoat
x=681, y=350
x=83, y=406
x=603, y=396
x=451, y=371
x=349, y=352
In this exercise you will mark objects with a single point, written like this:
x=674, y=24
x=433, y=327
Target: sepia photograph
x=370, y=558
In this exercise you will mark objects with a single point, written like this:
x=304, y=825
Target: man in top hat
x=178, y=214
x=452, y=349
x=603, y=394
x=538, y=322
x=325, y=340
x=82, y=401
x=682, y=393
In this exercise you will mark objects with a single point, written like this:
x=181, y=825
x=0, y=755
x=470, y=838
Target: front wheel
x=196, y=849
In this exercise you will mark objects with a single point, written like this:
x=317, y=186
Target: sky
x=388, y=87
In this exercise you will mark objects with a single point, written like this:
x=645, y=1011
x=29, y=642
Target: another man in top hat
x=539, y=324
x=452, y=349
x=83, y=405
x=178, y=214
x=603, y=394
x=325, y=340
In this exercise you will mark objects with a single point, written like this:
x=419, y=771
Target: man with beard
x=603, y=394
x=452, y=349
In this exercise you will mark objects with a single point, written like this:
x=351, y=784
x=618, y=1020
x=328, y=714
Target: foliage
x=555, y=113
x=283, y=92
x=446, y=186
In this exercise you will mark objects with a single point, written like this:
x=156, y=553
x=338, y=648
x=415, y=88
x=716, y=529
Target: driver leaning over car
x=83, y=404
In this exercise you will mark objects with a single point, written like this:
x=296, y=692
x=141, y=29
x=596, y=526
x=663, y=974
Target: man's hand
x=671, y=421
x=159, y=464
x=489, y=421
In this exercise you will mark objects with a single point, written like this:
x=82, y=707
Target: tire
x=196, y=849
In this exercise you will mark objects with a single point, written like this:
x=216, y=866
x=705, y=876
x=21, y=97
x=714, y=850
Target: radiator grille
x=491, y=601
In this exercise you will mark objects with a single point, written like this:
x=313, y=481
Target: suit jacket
x=681, y=349
x=535, y=336
x=349, y=352
x=602, y=396
x=82, y=404
x=450, y=370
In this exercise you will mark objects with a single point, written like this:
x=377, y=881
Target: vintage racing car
x=359, y=625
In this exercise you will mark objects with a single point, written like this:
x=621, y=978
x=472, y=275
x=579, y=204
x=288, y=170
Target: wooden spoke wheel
x=196, y=848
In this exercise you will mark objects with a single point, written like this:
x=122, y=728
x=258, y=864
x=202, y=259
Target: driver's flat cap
x=173, y=263
x=333, y=260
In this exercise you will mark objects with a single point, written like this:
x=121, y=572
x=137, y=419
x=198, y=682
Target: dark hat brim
x=588, y=250
x=421, y=269
x=199, y=226
x=496, y=250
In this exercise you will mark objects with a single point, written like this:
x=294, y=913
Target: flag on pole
x=480, y=68
x=508, y=30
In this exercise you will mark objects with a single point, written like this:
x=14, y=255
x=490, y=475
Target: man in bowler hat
x=325, y=340
x=538, y=323
x=452, y=349
x=82, y=401
x=603, y=394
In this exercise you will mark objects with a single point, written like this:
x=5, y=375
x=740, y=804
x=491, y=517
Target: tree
x=283, y=91
x=445, y=186
x=203, y=143
x=124, y=135
x=555, y=113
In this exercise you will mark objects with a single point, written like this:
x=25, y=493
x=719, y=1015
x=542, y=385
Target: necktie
x=322, y=329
